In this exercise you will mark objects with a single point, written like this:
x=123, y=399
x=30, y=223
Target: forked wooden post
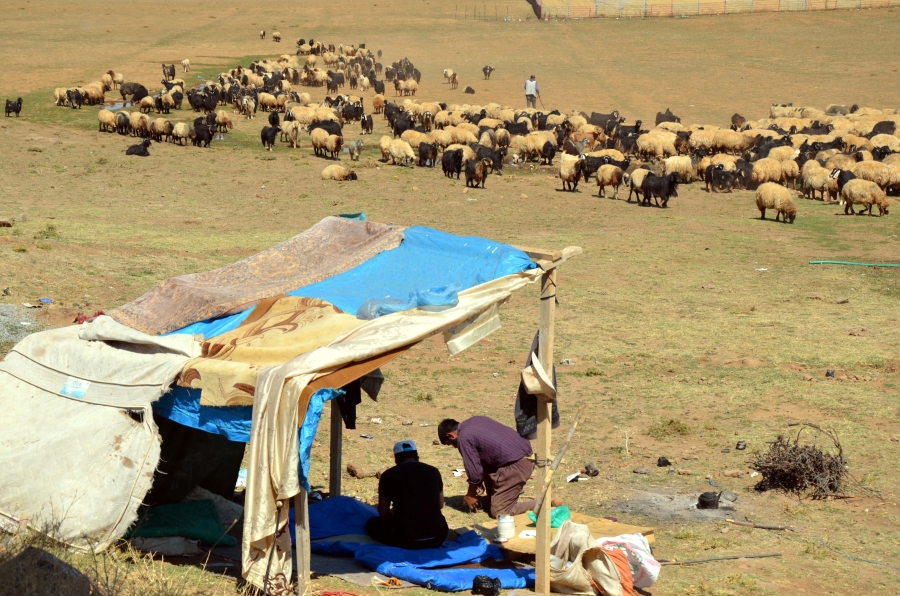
x=302, y=547
x=335, y=464
x=542, y=447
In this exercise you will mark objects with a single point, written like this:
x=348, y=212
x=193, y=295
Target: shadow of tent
x=35, y=571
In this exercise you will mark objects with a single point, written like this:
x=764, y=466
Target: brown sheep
x=610, y=175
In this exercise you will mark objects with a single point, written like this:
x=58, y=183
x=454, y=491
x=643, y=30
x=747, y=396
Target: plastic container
x=506, y=527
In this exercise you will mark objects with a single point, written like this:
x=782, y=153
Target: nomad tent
x=161, y=395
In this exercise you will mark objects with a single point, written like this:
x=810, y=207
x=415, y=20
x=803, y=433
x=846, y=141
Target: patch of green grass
x=44, y=246
x=47, y=233
x=424, y=397
x=20, y=248
x=669, y=428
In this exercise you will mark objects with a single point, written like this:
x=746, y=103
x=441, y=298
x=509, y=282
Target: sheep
x=60, y=96
x=384, y=144
x=790, y=171
x=139, y=150
x=318, y=137
x=570, y=170
x=454, y=81
x=885, y=140
x=784, y=153
x=354, y=148
x=683, y=165
x=333, y=145
x=728, y=141
x=401, y=151
x=610, y=175
x=415, y=138
x=181, y=131
x=650, y=145
x=378, y=104
x=427, y=155
x=469, y=90
x=140, y=124
x=865, y=193
x=771, y=195
x=248, y=107
x=476, y=172
x=276, y=36
x=262, y=34
x=873, y=171
x=147, y=104
x=107, y=121
x=223, y=124
x=767, y=170
x=813, y=177
x=123, y=122
x=660, y=188
x=452, y=162
x=339, y=172
x=186, y=65
x=635, y=182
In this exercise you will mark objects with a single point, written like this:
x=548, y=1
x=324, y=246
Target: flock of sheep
x=843, y=153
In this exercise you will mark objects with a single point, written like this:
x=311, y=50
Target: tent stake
x=542, y=445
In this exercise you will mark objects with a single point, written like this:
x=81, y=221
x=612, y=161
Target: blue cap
x=404, y=446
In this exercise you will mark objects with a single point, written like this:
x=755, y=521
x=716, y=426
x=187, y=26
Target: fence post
x=569, y=9
x=645, y=8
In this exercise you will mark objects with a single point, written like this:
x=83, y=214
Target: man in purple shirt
x=494, y=457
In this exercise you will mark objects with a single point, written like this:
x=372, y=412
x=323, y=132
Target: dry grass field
x=690, y=328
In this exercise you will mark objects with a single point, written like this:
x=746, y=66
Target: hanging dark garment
x=526, y=405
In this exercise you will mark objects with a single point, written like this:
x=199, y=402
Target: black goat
x=13, y=107
x=274, y=119
x=666, y=116
x=367, y=124
x=660, y=188
x=487, y=70
x=451, y=163
x=427, y=155
x=139, y=150
x=202, y=136
x=267, y=135
x=168, y=72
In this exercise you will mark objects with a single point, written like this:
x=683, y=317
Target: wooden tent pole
x=302, y=548
x=542, y=446
x=335, y=464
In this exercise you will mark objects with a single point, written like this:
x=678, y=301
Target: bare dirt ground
x=701, y=313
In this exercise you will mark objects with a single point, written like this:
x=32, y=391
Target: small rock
x=465, y=191
x=566, y=362
x=435, y=442
x=814, y=296
x=590, y=469
x=495, y=375
x=6, y=223
x=663, y=462
x=857, y=332
x=523, y=196
x=806, y=377
x=726, y=450
x=729, y=496
x=829, y=374
x=741, y=445
x=358, y=471
x=733, y=474
x=841, y=300
x=407, y=423
x=21, y=218
x=415, y=188
x=641, y=470
x=685, y=473
x=7, y=292
x=724, y=530
x=895, y=439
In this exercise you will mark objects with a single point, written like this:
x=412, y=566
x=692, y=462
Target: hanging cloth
x=526, y=404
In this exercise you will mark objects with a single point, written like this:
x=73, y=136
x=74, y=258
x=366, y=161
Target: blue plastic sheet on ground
x=432, y=567
x=426, y=260
x=427, y=269
x=182, y=405
x=334, y=517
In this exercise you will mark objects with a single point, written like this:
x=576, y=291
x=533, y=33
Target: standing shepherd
x=532, y=92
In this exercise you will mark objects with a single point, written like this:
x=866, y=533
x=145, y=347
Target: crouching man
x=495, y=457
x=410, y=499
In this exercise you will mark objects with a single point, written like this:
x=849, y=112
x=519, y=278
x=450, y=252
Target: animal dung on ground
x=663, y=462
x=803, y=469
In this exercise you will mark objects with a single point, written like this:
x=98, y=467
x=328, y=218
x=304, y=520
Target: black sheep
x=140, y=150
x=202, y=136
x=367, y=124
x=13, y=107
x=548, y=152
x=211, y=120
x=274, y=119
x=451, y=162
x=329, y=126
x=267, y=135
x=660, y=188
x=427, y=154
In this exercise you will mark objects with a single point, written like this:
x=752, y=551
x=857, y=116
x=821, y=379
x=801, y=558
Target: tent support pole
x=542, y=447
x=302, y=548
x=337, y=439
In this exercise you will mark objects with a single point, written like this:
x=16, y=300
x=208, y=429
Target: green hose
x=854, y=264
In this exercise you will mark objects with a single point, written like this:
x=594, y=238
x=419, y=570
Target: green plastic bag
x=558, y=516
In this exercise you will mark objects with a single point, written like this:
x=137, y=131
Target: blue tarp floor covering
x=433, y=568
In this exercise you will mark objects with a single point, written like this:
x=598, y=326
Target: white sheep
x=384, y=145
x=682, y=165
x=610, y=175
x=401, y=151
x=813, y=177
x=570, y=168
x=873, y=171
x=186, y=65
x=774, y=196
x=767, y=170
x=636, y=182
x=107, y=121
x=866, y=194
x=338, y=172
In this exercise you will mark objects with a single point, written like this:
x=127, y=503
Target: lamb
x=384, y=144
x=685, y=166
x=139, y=150
x=790, y=171
x=339, y=172
x=813, y=177
x=291, y=131
x=355, y=149
x=767, y=170
x=186, y=65
x=570, y=169
x=771, y=195
x=451, y=162
x=248, y=107
x=660, y=188
x=635, y=182
x=865, y=193
x=268, y=135
x=476, y=172
x=610, y=175
x=401, y=151
x=107, y=121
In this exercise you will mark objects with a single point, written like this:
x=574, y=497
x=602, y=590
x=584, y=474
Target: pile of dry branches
x=803, y=470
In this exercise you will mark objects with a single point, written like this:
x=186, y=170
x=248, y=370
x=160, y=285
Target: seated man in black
x=410, y=499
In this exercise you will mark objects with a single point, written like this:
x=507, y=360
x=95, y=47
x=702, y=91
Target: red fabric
x=88, y=318
x=624, y=568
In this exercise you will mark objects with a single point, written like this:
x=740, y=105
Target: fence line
x=655, y=8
